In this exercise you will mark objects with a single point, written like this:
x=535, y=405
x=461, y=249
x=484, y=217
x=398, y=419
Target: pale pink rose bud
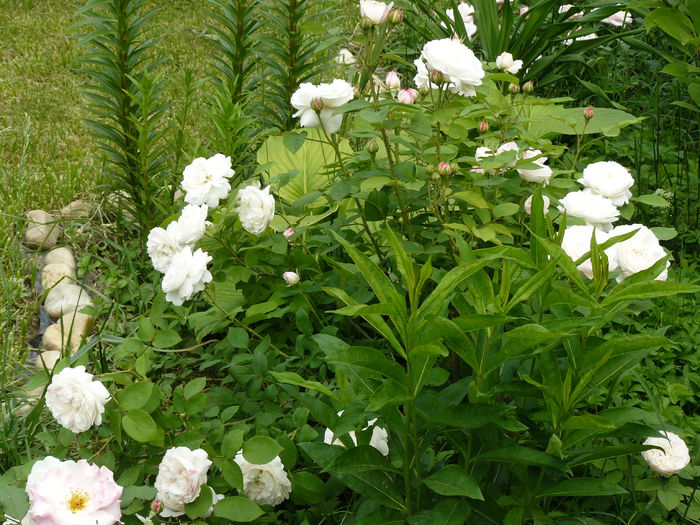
x=407, y=96
x=514, y=88
x=588, y=113
x=444, y=168
x=288, y=232
x=528, y=87
x=392, y=80
x=436, y=77
x=396, y=16
x=523, y=10
x=372, y=147
x=317, y=104
x=156, y=506
x=483, y=126
x=527, y=206
x=291, y=278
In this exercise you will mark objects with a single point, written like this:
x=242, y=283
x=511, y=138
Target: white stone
x=32, y=396
x=47, y=359
x=78, y=209
x=62, y=255
x=42, y=230
x=56, y=273
x=65, y=298
x=67, y=332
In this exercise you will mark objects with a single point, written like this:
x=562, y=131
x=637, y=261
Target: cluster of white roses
x=171, y=249
x=539, y=174
x=607, y=186
x=183, y=472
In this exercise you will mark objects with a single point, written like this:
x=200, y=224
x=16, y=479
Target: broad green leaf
x=577, y=487
x=446, y=287
x=260, y=450
x=523, y=456
x=551, y=120
x=606, y=452
x=449, y=511
x=388, y=393
x=232, y=442
x=454, y=481
x=648, y=290
x=135, y=395
x=652, y=200
x=201, y=505
x=293, y=378
x=14, y=501
x=378, y=486
x=360, y=459
x=140, y=426
x=310, y=488
x=237, y=509
x=505, y=209
x=370, y=359
x=166, y=338
x=194, y=387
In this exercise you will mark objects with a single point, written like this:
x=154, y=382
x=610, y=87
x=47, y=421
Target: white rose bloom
x=589, y=36
x=609, y=179
x=422, y=78
x=590, y=207
x=329, y=97
x=618, y=19
x=75, y=400
x=456, y=62
x=256, y=207
x=205, y=180
x=505, y=61
x=266, y=484
x=466, y=11
x=162, y=245
x=639, y=252
x=577, y=242
x=375, y=12
x=379, y=439
x=509, y=146
x=345, y=57
x=181, y=474
x=482, y=152
x=186, y=275
x=302, y=100
x=672, y=459
x=190, y=226
x=539, y=175
x=527, y=206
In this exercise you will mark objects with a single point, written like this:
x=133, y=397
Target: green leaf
x=378, y=486
x=232, y=442
x=232, y=474
x=166, y=338
x=652, y=200
x=524, y=456
x=237, y=509
x=293, y=140
x=664, y=234
x=505, y=209
x=195, y=386
x=359, y=459
x=260, y=450
x=140, y=426
x=648, y=290
x=446, y=287
x=14, y=501
x=146, y=329
x=201, y=505
x=310, y=488
x=606, y=452
x=454, y=481
x=135, y=395
x=293, y=378
x=550, y=120
x=369, y=359
x=577, y=487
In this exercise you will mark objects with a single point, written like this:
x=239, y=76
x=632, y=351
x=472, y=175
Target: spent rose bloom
x=256, y=207
x=527, y=205
x=618, y=19
x=407, y=96
x=609, y=179
x=466, y=12
x=186, y=275
x=539, y=175
x=379, y=439
x=70, y=493
x=505, y=61
x=592, y=208
x=456, y=62
x=266, y=484
x=181, y=474
x=577, y=242
x=75, y=400
x=639, y=252
x=375, y=12
x=205, y=181
x=345, y=57
x=162, y=246
x=672, y=459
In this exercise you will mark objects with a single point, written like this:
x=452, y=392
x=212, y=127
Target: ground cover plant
x=410, y=284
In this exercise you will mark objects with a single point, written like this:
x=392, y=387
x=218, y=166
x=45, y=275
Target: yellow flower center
x=78, y=501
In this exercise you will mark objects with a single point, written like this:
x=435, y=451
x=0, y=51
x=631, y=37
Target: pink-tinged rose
x=407, y=96
x=618, y=19
x=523, y=10
x=291, y=278
x=392, y=80
x=374, y=12
x=527, y=206
x=181, y=474
x=288, y=232
x=70, y=493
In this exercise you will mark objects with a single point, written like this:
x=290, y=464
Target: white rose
x=375, y=12
x=302, y=99
x=589, y=36
x=256, y=207
x=190, y=226
x=539, y=175
x=527, y=206
x=466, y=11
x=379, y=439
x=566, y=8
x=505, y=61
x=422, y=78
x=590, y=207
x=457, y=64
x=618, y=19
x=336, y=93
x=609, y=179
x=345, y=57
x=672, y=459
x=162, y=246
x=181, y=474
x=291, y=278
x=186, y=275
x=315, y=105
x=266, y=484
x=509, y=146
x=577, y=242
x=639, y=252
x=75, y=400
x=205, y=180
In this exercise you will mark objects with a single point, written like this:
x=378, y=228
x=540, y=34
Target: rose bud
x=392, y=80
x=407, y=96
x=436, y=77
x=156, y=506
x=291, y=278
x=371, y=146
x=483, y=126
x=396, y=16
x=317, y=104
x=528, y=87
x=444, y=168
x=514, y=88
x=288, y=232
x=588, y=113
